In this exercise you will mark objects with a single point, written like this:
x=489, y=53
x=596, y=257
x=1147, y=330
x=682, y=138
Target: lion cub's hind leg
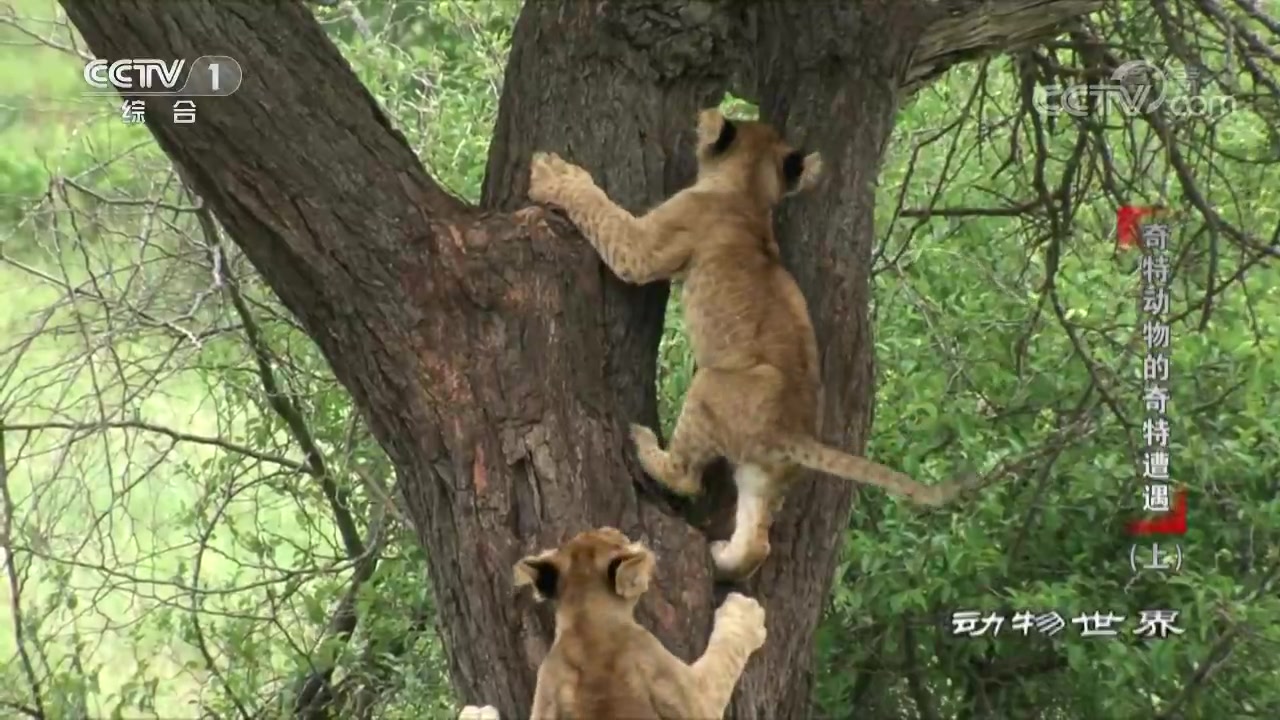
x=759, y=498
x=756, y=404
x=693, y=442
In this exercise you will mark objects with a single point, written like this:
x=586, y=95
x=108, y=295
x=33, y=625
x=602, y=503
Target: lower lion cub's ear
x=631, y=570
x=715, y=131
x=800, y=171
x=541, y=572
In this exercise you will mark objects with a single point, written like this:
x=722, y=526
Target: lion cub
x=603, y=664
x=755, y=396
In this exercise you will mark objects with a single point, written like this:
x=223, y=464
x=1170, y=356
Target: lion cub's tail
x=814, y=455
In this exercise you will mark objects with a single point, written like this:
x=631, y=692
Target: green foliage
x=974, y=358
x=437, y=67
x=44, y=133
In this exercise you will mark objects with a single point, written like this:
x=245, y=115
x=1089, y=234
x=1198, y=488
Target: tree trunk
x=496, y=360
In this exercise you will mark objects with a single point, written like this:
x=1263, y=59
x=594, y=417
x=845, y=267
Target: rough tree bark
x=495, y=359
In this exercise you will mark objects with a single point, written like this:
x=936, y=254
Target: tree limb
x=15, y=587
x=964, y=30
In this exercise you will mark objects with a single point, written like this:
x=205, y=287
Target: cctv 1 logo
x=208, y=75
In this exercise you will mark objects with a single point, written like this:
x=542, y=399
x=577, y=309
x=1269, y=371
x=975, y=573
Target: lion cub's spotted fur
x=755, y=396
x=603, y=664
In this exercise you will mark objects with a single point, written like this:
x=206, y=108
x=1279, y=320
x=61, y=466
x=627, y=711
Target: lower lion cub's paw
x=745, y=616
x=474, y=712
x=550, y=177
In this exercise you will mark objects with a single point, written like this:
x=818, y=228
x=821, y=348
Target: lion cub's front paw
x=745, y=617
x=474, y=712
x=551, y=179
x=645, y=439
x=657, y=464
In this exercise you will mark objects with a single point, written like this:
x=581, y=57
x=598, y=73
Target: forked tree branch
x=964, y=30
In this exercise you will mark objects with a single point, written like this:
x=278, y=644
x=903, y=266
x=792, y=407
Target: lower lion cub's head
x=600, y=564
x=752, y=156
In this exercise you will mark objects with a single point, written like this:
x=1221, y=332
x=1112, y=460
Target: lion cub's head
x=596, y=565
x=753, y=157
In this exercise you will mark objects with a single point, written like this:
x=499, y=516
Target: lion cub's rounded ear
x=541, y=572
x=715, y=131
x=631, y=570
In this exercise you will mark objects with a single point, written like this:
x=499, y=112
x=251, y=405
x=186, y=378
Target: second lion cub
x=755, y=395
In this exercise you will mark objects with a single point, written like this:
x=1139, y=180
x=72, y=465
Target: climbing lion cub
x=603, y=664
x=756, y=393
